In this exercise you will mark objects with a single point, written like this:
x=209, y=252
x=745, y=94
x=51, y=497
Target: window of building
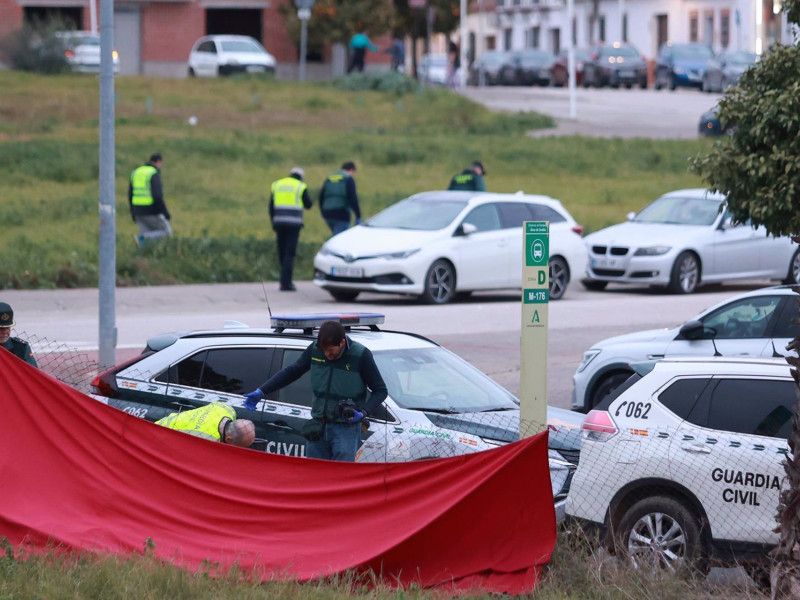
x=625, y=27
x=507, y=39
x=555, y=40
x=693, y=26
x=491, y=42
x=661, y=28
x=708, y=28
x=574, y=31
x=725, y=28
x=532, y=38
x=602, y=28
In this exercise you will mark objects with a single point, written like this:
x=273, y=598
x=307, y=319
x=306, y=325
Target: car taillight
x=598, y=426
x=69, y=53
x=105, y=383
x=578, y=229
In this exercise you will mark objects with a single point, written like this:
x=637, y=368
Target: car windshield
x=676, y=210
x=625, y=51
x=428, y=214
x=435, y=380
x=538, y=57
x=692, y=52
x=492, y=58
x=241, y=46
x=740, y=58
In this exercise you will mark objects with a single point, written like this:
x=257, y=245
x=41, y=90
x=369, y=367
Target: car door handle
x=697, y=448
x=280, y=425
x=183, y=405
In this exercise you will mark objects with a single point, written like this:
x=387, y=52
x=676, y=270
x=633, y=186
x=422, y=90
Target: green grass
x=250, y=132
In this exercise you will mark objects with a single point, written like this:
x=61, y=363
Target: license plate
x=255, y=69
x=627, y=74
x=347, y=271
x=604, y=263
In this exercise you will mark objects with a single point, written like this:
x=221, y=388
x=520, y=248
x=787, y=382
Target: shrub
x=382, y=81
x=36, y=48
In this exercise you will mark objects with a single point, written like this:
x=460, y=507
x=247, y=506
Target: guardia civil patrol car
x=438, y=404
x=683, y=463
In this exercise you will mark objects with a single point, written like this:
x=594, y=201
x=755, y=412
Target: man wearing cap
x=146, y=199
x=288, y=197
x=470, y=179
x=216, y=422
x=338, y=198
x=17, y=347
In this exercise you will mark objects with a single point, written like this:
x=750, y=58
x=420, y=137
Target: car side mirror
x=465, y=229
x=630, y=216
x=692, y=330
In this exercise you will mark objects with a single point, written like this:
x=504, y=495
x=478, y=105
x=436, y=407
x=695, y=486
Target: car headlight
x=588, y=357
x=398, y=255
x=652, y=251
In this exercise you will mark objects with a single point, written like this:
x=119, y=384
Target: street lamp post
x=304, y=14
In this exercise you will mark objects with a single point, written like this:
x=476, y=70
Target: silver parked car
x=683, y=239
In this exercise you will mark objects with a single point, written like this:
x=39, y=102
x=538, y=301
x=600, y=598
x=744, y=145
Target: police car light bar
x=310, y=321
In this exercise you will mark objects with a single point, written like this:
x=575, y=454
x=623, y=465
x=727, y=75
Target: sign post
x=533, y=343
x=304, y=14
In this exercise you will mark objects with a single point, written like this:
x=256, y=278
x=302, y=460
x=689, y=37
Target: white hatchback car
x=215, y=55
x=437, y=245
x=684, y=466
x=683, y=239
x=757, y=324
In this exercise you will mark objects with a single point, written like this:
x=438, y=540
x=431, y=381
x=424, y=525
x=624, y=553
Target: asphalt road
x=605, y=112
x=484, y=330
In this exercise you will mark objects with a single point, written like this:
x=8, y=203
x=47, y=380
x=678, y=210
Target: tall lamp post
x=304, y=14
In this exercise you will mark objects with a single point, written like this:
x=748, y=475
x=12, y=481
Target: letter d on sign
x=541, y=278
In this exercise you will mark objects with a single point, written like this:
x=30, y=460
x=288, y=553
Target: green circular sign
x=537, y=251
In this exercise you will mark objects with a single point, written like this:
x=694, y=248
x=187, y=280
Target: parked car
x=758, y=324
x=681, y=65
x=560, y=70
x=438, y=404
x=82, y=51
x=527, y=67
x=214, y=55
x=710, y=123
x=726, y=69
x=684, y=239
x=432, y=69
x=615, y=65
x=437, y=245
x=486, y=68
x=684, y=466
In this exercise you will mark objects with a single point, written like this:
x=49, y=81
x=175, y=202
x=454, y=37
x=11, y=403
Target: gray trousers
x=153, y=226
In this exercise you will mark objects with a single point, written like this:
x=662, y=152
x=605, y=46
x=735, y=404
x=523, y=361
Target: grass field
x=251, y=131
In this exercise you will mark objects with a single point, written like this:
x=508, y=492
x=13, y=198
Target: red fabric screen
x=85, y=476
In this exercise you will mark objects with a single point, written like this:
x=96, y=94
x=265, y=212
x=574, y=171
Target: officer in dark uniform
x=470, y=180
x=17, y=347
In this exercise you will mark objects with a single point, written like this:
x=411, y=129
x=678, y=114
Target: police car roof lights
x=310, y=321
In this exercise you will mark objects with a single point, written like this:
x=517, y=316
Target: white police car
x=683, y=463
x=438, y=404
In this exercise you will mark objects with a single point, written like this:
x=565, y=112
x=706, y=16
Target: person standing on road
x=146, y=199
x=358, y=46
x=18, y=347
x=453, y=64
x=215, y=421
x=346, y=387
x=470, y=179
x=338, y=198
x=288, y=197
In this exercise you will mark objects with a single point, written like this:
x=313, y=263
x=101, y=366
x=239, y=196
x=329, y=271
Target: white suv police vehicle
x=683, y=465
x=438, y=404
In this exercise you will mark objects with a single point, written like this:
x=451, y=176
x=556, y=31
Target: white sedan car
x=215, y=55
x=82, y=51
x=436, y=245
x=683, y=239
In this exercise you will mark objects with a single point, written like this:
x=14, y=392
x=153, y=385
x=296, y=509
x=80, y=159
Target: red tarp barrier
x=81, y=475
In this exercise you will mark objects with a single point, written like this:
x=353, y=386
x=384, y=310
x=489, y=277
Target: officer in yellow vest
x=216, y=422
x=288, y=197
x=146, y=199
x=18, y=347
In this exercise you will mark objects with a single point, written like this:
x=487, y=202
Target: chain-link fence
x=71, y=366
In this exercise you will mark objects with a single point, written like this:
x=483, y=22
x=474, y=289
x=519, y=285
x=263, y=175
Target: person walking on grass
x=146, y=199
x=338, y=198
x=288, y=197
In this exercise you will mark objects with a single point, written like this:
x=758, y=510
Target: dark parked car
x=528, y=67
x=710, y=123
x=615, y=65
x=560, y=72
x=681, y=65
x=726, y=69
x=489, y=64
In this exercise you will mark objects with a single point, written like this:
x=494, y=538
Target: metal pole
x=93, y=15
x=462, y=76
x=479, y=44
x=107, y=268
x=303, y=44
x=573, y=109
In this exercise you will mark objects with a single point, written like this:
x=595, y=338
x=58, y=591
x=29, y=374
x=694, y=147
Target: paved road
x=484, y=330
x=606, y=112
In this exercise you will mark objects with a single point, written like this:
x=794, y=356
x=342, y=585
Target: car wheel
x=607, y=385
x=343, y=295
x=685, y=274
x=559, y=277
x=657, y=83
x=192, y=73
x=440, y=283
x=793, y=276
x=672, y=84
x=585, y=82
x=661, y=534
x=594, y=286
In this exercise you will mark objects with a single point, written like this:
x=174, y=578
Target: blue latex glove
x=354, y=416
x=358, y=220
x=253, y=399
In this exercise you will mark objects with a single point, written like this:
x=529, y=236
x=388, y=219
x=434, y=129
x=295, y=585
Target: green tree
x=758, y=167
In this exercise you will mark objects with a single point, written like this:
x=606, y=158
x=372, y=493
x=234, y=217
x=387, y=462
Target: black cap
x=349, y=166
x=6, y=315
x=477, y=163
x=154, y=158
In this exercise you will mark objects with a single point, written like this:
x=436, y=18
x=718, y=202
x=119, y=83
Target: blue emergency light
x=310, y=321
